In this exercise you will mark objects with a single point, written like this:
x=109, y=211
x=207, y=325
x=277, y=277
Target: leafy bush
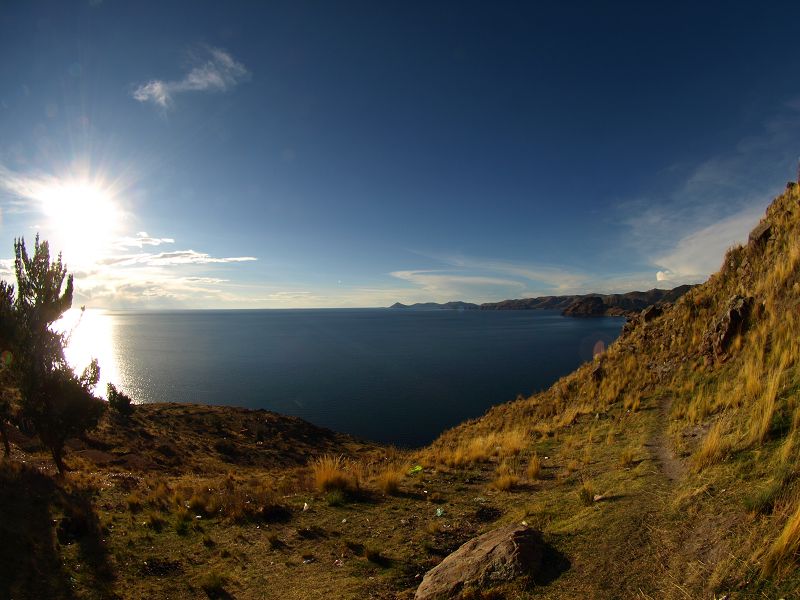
x=118, y=401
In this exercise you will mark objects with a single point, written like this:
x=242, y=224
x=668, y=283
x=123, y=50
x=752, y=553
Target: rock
x=732, y=322
x=597, y=372
x=650, y=313
x=761, y=233
x=492, y=558
x=630, y=325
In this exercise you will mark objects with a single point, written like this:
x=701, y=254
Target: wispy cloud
x=218, y=72
x=141, y=240
x=487, y=280
x=177, y=257
x=438, y=278
x=684, y=232
x=550, y=277
x=6, y=268
x=20, y=189
x=700, y=253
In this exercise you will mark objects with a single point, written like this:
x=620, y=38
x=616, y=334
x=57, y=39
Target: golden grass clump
x=505, y=479
x=329, y=472
x=632, y=401
x=784, y=550
x=388, y=481
x=587, y=493
x=481, y=448
x=626, y=457
x=764, y=408
x=534, y=470
x=712, y=449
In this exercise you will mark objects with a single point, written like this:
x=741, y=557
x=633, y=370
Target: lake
x=395, y=376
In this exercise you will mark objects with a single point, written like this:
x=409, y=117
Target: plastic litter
x=415, y=469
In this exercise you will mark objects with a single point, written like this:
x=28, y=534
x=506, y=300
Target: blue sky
x=293, y=154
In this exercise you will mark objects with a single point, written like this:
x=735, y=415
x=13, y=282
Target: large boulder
x=651, y=312
x=490, y=559
x=718, y=337
x=761, y=233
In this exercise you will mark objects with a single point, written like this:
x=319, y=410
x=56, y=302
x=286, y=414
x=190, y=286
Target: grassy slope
x=664, y=473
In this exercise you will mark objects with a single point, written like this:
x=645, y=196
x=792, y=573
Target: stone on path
x=493, y=558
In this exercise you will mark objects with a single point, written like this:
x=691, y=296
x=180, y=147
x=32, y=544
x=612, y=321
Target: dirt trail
x=661, y=448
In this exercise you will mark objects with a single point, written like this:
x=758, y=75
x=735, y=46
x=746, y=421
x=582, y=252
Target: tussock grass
x=388, y=481
x=587, y=492
x=626, y=457
x=505, y=478
x=213, y=584
x=329, y=474
x=764, y=408
x=481, y=448
x=713, y=448
x=534, y=470
x=785, y=550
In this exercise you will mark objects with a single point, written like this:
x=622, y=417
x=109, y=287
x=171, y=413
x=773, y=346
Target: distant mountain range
x=585, y=305
x=437, y=306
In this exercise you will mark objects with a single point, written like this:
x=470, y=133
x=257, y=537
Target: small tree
x=118, y=401
x=58, y=404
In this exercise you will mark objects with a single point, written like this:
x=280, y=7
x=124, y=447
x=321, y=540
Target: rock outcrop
x=490, y=559
x=718, y=337
x=761, y=233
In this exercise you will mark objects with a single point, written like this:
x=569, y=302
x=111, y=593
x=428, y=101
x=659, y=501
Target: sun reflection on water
x=91, y=335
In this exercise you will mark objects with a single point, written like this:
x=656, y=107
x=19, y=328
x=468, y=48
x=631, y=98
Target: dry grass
x=329, y=473
x=388, y=481
x=713, y=448
x=481, y=448
x=587, y=492
x=785, y=550
x=764, y=408
x=534, y=470
x=626, y=457
x=505, y=478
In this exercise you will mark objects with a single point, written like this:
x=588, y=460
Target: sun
x=83, y=218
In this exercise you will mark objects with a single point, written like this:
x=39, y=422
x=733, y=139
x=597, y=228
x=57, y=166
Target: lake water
x=394, y=376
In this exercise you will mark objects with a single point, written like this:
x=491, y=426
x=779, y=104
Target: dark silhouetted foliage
x=118, y=401
x=54, y=401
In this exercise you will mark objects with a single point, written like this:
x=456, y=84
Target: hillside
x=583, y=305
x=593, y=305
x=666, y=468
x=454, y=305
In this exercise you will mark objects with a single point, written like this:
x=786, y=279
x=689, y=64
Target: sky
x=354, y=154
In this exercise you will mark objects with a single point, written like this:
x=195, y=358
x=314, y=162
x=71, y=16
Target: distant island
x=456, y=305
x=579, y=305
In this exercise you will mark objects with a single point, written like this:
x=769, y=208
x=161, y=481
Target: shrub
x=119, y=402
